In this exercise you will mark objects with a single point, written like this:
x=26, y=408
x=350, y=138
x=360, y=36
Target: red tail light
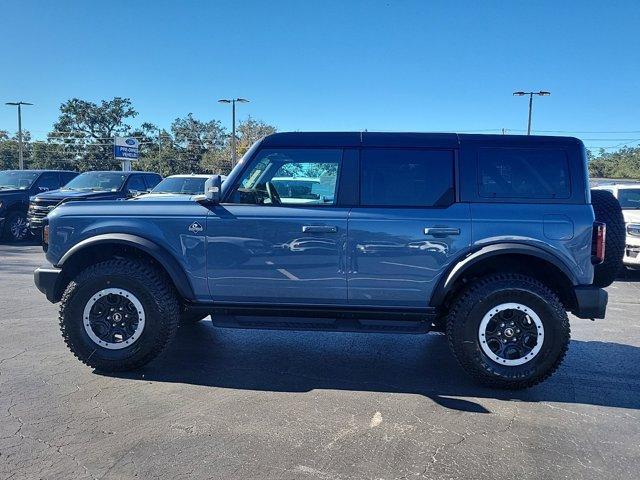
x=599, y=242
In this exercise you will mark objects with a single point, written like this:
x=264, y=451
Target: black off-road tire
x=608, y=210
x=151, y=287
x=8, y=234
x=477, y=300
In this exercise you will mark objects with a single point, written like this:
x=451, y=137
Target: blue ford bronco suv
x=490, y=239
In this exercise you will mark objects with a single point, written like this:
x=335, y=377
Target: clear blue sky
x=332, y=65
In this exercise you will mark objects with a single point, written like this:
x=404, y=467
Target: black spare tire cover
x=608, y=211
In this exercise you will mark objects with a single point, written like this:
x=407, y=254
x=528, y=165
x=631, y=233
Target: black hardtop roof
x=403, y=139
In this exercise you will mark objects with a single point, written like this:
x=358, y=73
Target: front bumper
x=35, y=225
x=632, y=252
x=47, y=280
x=591, y=302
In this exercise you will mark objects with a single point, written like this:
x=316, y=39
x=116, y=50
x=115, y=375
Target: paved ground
x=257, y=405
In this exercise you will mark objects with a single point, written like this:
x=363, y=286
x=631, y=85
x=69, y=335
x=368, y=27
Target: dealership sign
x=125, y=148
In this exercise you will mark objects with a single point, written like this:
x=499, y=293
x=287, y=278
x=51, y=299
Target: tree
x=623, y=163
x=9, y=150
x=193, y=138
x=248, y=132
x=85, y=130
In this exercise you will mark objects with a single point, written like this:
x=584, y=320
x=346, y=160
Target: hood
x=100, y=211
x=59, y=195
x=631, y=216
x=162, y=197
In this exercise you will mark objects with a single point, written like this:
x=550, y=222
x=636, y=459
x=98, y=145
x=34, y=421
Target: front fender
x=161, y=255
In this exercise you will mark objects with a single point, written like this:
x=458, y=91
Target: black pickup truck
x=16, y=187
x=97, y=185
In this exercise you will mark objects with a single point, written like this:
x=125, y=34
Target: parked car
x=16, y=186
x=177, y=186
x=513, y=244
x=628, y=195
x=100, y=185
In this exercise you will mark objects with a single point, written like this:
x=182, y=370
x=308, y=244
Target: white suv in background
x=628, y=194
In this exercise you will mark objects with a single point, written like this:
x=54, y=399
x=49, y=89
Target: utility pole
x=531, y=94
x=233, y=101
x=20, y=147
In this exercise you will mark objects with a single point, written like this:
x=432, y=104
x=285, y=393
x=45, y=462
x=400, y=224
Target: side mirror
x=212, y=190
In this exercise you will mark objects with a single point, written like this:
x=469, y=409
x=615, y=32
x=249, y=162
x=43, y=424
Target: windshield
x=97, y=182
x=20, y=180
x=185, y=185
x=629, y=198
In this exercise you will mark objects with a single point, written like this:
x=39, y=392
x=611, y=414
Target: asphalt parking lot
x=235, y=404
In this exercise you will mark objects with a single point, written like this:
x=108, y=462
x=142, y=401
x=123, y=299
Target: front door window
x=286, y=177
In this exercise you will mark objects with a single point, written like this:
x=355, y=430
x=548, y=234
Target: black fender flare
x=458, y=268
x=161, y=255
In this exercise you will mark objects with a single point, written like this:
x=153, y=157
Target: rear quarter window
x=523, y=173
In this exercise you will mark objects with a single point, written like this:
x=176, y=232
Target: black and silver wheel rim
x=113, y=318
x=18, y=228
x=511, y=334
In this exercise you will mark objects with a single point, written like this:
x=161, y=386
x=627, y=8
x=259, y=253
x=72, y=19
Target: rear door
x=408, y=227
x=280, y=235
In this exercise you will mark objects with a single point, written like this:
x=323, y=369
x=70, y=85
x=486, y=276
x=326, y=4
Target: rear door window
x=66, y=177
x=136, y=184
x=48, y=181
x=152, y=181
x=523, y=173
x=406, y=178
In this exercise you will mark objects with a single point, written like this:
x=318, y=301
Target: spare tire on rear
x=608, y=211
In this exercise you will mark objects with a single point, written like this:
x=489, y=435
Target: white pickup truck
x=628, y=194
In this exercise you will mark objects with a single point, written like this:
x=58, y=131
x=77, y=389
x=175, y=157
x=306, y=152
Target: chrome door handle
x=441, y=231
x=319, y=229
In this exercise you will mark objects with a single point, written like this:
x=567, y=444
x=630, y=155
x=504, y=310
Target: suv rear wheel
x=508, y=331
x=119, y=314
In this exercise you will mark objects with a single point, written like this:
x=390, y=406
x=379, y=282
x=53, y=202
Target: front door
x=280, y=236
x=408, y=228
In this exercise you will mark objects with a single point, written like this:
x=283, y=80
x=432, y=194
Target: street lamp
x=20, y=154
x=233, y=101
x=531, y=94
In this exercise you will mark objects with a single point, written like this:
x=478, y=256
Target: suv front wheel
x=15, y=227
x=119, y=314
x=508, y=331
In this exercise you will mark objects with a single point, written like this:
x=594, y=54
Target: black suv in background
x=16, y=187
x=101, y=185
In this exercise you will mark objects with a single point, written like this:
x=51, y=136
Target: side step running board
x=321, y=324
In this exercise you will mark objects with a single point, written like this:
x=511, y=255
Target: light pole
x=20, y=153
x=233, y=101
x=531, y=94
